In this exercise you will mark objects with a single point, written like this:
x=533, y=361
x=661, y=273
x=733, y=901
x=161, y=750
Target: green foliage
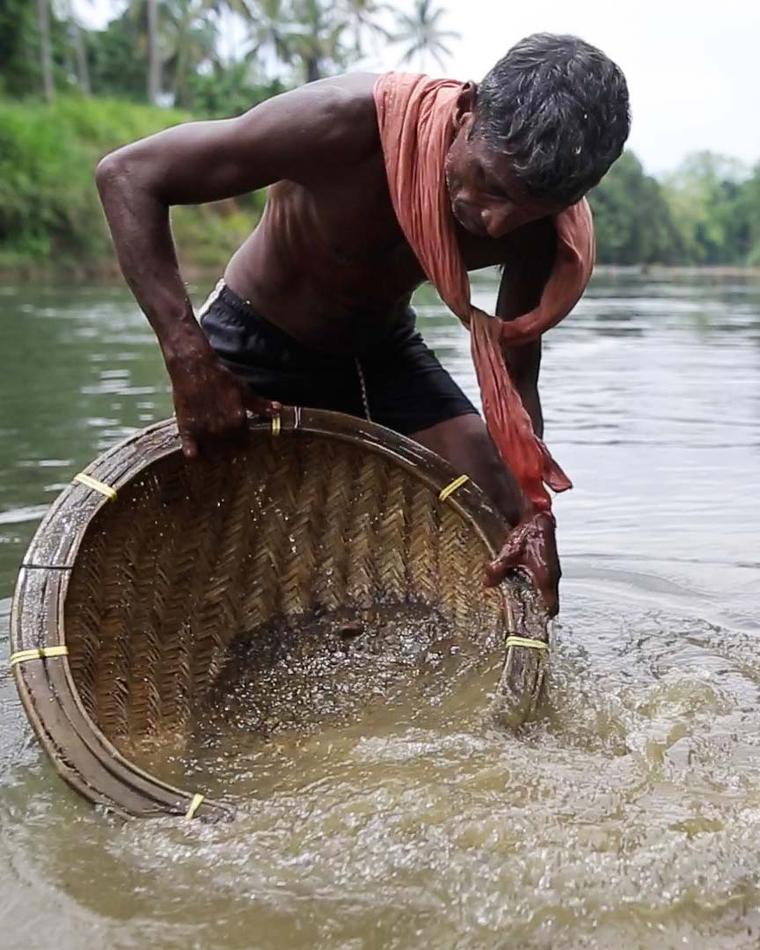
x=19, y=47
x=706, y=212
x=751, y=194
x=231, y=91
x=707, y=198
x=20, y=59
x=633, y=220
x=118, y=59
x=422, y=36
x=49, y=207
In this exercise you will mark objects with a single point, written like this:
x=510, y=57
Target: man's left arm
x=532, y=544
x=526, y=270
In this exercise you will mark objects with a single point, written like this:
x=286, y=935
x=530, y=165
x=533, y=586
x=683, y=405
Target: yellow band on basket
x=195, y=803
x=525, y=642
x=43, y=653
x=276, y=425
x=452, y=487
x=93, y=483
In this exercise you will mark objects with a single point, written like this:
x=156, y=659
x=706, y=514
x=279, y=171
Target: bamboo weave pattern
x=194, y=557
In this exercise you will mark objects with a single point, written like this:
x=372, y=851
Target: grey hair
x=559, y=108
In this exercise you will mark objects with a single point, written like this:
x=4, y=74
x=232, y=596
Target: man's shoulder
x=341, y=110
x=339, y=97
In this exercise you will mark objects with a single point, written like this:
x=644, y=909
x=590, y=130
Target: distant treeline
x=707, y=212
x=68, y=95
x=50, y=216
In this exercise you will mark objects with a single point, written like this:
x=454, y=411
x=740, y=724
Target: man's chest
x=356, y=227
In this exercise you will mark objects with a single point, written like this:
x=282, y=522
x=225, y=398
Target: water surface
x=629, y=814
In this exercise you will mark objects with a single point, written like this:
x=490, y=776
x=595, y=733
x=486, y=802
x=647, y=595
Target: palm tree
x=422, y=35
x=188, y=39
x=145, y=15
x=46, y=51
x=363, y=17
x=154, y=56
x=271, y=25
x=317, y=40
x=304, y=34
x=77, y=42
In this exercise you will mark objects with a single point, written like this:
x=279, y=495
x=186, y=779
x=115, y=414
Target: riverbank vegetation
x=69, y=94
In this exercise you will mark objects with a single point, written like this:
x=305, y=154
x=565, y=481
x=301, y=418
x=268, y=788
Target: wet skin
x=328, y=263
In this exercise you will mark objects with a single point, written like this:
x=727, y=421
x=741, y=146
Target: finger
x=494, y=576
x=189, y=446
x=260, y=406
x=551, y=596
x=496, y=573
x=509, y=557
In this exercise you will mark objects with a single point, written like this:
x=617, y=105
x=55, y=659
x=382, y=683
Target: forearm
x=524, y=364
x=532, y=402
x=141, y=233
x=525, y=274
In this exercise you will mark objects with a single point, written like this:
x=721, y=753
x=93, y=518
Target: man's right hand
x=532, y=547
x=211, y=404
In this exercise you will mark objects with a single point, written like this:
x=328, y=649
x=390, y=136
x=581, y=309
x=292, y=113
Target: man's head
x=540, y=131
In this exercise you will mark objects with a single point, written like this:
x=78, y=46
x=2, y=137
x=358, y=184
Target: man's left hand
x=532, y=546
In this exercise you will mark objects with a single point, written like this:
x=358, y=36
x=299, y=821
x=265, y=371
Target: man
x=314, y=308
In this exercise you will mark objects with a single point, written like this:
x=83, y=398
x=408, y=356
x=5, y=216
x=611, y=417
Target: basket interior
x=297, y=537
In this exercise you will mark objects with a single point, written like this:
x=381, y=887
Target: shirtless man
x=314, y=309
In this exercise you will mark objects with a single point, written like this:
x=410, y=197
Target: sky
x=693, y=68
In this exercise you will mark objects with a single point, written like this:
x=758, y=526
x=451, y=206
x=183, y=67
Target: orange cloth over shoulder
x=415, y=116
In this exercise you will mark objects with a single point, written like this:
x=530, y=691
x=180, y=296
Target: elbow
x=121, y=173
x=110, y=173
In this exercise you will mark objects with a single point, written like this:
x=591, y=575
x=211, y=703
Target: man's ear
x=465, y=104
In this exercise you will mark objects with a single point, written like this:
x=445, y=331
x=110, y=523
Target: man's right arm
x=284, y=138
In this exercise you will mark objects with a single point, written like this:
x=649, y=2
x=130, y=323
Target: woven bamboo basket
x=147, y=568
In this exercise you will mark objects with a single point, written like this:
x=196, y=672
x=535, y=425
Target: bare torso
x=328, y=262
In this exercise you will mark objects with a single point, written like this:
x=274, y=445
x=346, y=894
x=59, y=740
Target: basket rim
x=47, y=690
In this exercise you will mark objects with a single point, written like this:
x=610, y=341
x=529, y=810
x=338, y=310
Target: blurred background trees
x=210, y=58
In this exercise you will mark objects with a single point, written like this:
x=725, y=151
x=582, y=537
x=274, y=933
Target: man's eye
x=495, y=191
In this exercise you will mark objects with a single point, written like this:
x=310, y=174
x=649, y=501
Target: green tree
x=19, y=48
x=317, y=38
x=706, y=198
x=230, y=89
x=46, y=48
x=76, y=37
x=118, y=59
x=154, y=60
x=364, y=18
x=305, y=37
x=633, y=221
x=420, y=31
x=751, y=198
x=189, y=41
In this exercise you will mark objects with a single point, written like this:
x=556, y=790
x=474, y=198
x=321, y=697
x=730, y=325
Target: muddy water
x=627, y=815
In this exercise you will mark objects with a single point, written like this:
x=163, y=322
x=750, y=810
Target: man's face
x=486, y=198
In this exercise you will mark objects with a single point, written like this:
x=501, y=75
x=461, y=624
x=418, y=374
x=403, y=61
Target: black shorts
x=399, y=384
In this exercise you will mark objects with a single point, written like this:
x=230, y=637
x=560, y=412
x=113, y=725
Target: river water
x=627, y=815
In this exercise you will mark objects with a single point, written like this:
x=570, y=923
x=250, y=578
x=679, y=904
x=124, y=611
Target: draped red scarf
x=415, y=116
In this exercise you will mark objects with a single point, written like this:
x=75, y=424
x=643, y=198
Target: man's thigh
x=465, y=443
x=407, y=388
